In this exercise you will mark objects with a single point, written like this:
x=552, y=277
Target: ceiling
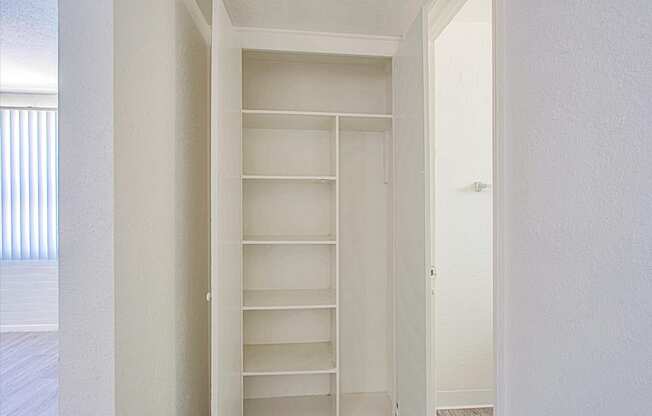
x=28, y=29
x=28, y=45
x=370, y=17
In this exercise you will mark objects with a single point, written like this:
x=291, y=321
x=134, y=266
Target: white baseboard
x=29, y=328
x=29, y=294
x=464, y=399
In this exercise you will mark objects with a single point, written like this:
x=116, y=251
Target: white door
x=412, y=248
x=461, y=93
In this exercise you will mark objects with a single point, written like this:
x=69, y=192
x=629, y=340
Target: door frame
x=499, y=82
x=440, y=13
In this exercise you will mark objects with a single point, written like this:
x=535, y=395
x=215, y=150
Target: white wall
x=462, y=242
x=161, y=210
x=577, y=251
x=144, y=145
x=206, y=7
x=412, y=324
x=86, y=270
x=134, y=264
x=29, y=295
x=192, y=215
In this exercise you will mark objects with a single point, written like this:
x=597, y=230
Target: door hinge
x=396, y=410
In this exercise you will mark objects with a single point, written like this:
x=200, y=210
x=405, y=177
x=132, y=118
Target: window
x=28, y=184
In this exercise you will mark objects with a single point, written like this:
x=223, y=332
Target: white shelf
x=288, y=239
x=289, y=359
x=288, y=178
x=286, y=120
x=262, y=300
x=290, y=406
x=314, y=113
x=366, y=404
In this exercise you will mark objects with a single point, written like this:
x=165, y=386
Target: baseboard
x=29, y=328
x=464, y=399
x=473, y=406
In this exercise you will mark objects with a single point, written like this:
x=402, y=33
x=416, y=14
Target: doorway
x=461, y=111
x=29, y=244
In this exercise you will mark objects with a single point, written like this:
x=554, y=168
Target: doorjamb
x=497, y=27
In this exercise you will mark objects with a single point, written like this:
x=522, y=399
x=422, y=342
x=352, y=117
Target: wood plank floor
x=28, y=374
x=466, y=412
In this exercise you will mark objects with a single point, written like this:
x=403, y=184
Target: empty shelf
x=286, y=120
x=288, y=299
x=288, y=178
x=287, y=359
x=290, y=406
x=288, y=239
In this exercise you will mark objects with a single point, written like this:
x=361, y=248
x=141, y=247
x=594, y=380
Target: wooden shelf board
x=287, y=359
x=290, y=406
x=260, y=300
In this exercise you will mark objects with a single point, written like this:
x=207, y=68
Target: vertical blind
x=28, y=184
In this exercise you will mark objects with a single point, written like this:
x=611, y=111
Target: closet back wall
x=304, y=82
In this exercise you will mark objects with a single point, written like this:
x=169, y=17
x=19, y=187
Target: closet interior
x=318, y=288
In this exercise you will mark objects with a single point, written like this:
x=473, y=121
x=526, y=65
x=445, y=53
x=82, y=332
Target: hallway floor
x=28, y=374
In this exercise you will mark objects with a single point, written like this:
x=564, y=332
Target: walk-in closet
x=319, y=262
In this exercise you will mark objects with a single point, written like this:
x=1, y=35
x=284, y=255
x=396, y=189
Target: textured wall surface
x=86, y=290
x=144, y=207
x=134, y=262
x=192, y=214
x=578, y=229
x=161, y=210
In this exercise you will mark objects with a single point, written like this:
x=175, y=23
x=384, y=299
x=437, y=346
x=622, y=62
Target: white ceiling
x=371, y=17
x=28, y=45
x=28, y=29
